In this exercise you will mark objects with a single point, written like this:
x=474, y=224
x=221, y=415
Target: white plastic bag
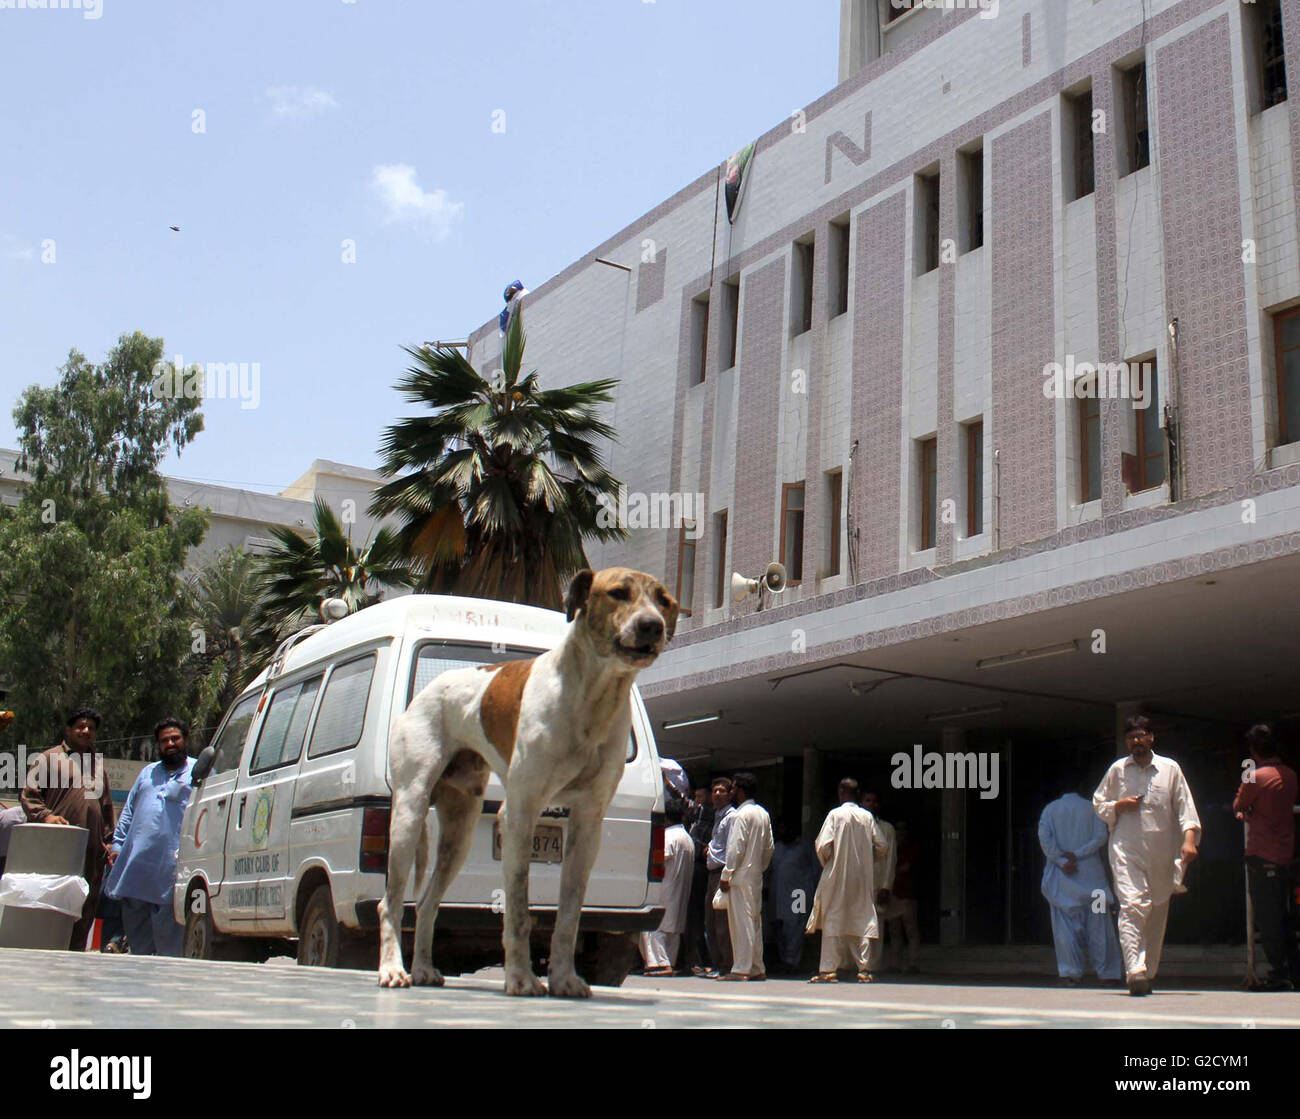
x=64, y=893
x=719, y=899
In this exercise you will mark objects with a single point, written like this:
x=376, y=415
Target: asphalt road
x=63, y=990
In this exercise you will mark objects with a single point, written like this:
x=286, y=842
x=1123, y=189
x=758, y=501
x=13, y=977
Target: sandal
x=825, y=977
x=657, y=972
x=866, y=977
x=733, y=977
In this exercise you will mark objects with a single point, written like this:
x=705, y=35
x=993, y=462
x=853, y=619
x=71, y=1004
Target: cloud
x=298, y=102
x=405, y=202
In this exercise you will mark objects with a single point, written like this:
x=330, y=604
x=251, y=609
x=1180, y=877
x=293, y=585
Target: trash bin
x=42, y=892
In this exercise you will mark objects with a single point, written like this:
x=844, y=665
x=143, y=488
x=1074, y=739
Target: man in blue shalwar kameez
x=1074, y=883
x=145, y=846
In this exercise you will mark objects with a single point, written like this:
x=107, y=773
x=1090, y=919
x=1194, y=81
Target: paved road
x=66, y=990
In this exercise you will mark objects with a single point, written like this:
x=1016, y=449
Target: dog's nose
x=649, y=627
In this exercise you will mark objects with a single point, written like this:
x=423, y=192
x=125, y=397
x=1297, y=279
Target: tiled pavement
x=65, y=990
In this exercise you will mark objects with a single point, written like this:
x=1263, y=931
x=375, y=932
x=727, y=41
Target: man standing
x=1264, y=801
x=884, y=882
x=902, y=902
x=145, y=846
x=700, y=829
x=1145, y=801
x=659, y=948
x=790, y=888
x=844, y=908
x=67, y=784
x=1074, y=884
x=717, y=927
x=749, y=850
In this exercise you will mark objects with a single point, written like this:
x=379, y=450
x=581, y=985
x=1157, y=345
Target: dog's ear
x=579, y=589
x=670, y=613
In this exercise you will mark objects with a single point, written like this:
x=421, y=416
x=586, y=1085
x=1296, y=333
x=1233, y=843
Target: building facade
x=1000, y=358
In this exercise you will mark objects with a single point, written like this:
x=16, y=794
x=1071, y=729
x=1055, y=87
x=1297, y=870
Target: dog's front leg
x=583, y=844
x=518, y=819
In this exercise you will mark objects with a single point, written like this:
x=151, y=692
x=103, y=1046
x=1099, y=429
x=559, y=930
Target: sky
x=446, y=147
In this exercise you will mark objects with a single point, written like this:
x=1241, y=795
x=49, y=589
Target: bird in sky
x=174, y=228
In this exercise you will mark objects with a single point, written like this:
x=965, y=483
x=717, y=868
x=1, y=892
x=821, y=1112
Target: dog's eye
x=619, y=594
x=662, y=598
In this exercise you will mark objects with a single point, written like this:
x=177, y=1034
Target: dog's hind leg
x=458, y=796
x=417, y=760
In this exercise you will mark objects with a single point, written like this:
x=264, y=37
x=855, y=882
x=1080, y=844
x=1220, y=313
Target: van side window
x=280, y=740
x=230, y=742
x=342, y=714
x=433, y=658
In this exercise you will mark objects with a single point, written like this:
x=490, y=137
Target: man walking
x=145, y=846
x=1146, y=803
x=1071, y=835
x=67, y=784
x=717, y=926
x=659, y=948
x=749, y=850
x=844, y=908
x=1264, y=802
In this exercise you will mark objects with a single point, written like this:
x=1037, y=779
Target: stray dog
x=553, y=728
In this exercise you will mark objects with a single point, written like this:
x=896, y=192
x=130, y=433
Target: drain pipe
x=997, y=500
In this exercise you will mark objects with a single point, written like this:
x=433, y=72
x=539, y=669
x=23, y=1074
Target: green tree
x=91, y=590
x=499, y=488
x=300, y=572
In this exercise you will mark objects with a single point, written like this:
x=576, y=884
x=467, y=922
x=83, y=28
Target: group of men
x=1144, y=811
x=67, y=785
x=713, y=885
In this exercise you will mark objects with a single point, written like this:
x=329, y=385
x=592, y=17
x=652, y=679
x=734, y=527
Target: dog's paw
x=525, y=986
x=392, y=975
x=426, y=976
x=570, y=986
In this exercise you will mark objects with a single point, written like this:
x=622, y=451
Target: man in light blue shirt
x=1074, y=883
x=145, y=846
x=717, y=929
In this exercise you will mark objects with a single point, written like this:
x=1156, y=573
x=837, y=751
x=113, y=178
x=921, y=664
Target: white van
x=286, y=836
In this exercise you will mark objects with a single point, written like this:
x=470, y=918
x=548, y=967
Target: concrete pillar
x=952, y=850
x=812, y=810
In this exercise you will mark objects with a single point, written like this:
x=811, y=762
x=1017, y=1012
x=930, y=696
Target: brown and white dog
x=554, y=729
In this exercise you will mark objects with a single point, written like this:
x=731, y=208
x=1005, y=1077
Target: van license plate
x=548, y=843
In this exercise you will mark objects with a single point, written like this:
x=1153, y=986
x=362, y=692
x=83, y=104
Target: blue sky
x=326, y=120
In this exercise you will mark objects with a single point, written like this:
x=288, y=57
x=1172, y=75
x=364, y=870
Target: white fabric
x=679, y=865
x=63, y=893
x=659, y=949
x=746, y=922
x=844, y=951
x=1145, y=841
x=676, y=777
x=850, y=847
x=1142, y=936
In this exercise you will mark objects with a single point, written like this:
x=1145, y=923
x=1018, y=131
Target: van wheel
x=319, y=937
x=607, y=959
x=200, y=933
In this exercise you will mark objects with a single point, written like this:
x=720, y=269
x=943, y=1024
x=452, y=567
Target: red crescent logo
x=198, y=827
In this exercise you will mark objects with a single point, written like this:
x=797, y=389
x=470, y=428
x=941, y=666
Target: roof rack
x=282, y=650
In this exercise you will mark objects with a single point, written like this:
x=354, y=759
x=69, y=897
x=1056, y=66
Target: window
x=1266, y=52
x=1135, y=152
x=839, y=293
x=342, y=713
x=1089, y=449
x=929, y=449
x=229, y=743
x=1286, y=346
x=927, y=222
x=971, y=165
x=720, y=559
x=433, y=658
x=801, y=288
x=685, y=594
x=1079, y=177
x=730, y=324
x=1150, y=464
x=974, y=435
x=279, y=742
x=792, y=531
x=835, y=503
x=700, y=337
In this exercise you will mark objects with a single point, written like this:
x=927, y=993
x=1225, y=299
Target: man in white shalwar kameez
x=883, y=873
x=849, y=846
x=749, y=850
x=1071, y=835
x=1154, y=830
x=659, y=948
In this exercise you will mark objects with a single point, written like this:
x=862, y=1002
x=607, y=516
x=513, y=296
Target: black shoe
x=1139, y=985
x=1069, y=981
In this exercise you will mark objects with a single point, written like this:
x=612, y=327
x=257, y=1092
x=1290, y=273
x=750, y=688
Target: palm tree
x=500, y=486
x=298, y=573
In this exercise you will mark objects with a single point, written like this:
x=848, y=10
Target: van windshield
x=433, y=658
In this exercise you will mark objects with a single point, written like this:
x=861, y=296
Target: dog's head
x=627, y=614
